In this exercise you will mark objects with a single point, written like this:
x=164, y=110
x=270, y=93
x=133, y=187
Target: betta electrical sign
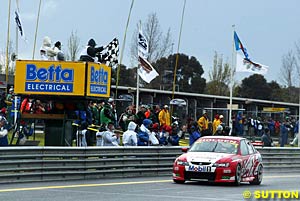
x=98, y=81
x=49, y=77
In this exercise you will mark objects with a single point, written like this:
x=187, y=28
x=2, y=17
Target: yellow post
x=177, y=55
x=7, y=44
x=36, y=29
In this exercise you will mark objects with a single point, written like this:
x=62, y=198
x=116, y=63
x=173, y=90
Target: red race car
x=219, y=159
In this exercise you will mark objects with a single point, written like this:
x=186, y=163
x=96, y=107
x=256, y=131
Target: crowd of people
x=144, y=126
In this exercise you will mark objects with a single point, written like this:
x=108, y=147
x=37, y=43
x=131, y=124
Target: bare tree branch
x=73, y=46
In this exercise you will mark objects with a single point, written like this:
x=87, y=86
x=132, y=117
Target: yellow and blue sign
x=50, y=78
x=98, y=80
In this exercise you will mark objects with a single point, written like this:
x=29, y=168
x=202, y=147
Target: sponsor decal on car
x=198, y=168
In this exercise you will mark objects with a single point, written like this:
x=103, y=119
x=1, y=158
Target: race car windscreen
x=215, y=146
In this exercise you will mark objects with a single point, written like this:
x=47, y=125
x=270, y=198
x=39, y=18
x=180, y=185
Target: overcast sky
x=268, y=28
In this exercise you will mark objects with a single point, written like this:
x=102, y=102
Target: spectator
x=126, y=117
x=143, y=134
x=203, y=124
x=130, y=136
x=164, y=116
x=283, y=134
x=109, y=137
x=140, y=115
x=164, y=135
x=3, y=132
x=90, y=51
x=271, y=126
x=106, y=115
x=215, y=124
x=239, y=127
x=10, y=96
x=82, y=135
x=45, y=48
x=266, y=138
x=60, y=55
x=194, y=133
x=296, y=132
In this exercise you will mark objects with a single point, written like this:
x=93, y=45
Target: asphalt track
x=149, y=188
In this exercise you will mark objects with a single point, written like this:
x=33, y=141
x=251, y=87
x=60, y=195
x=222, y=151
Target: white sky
x=268, y=28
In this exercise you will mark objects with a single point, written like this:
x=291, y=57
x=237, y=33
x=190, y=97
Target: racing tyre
x=179, y=181
x=238, y=175
x=258, y=177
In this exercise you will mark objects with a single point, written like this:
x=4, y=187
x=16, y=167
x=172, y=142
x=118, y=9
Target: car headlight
x=181, y=162
x=221, y=164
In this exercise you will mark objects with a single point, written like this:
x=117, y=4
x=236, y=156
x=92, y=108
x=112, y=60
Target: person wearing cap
x=3, y=132
x=90, y=51
x=9, y=96
x=164, y=116
x=203, y=124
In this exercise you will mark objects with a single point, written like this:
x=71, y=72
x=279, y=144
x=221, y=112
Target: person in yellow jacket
x=215, y=124
x=203, y=124
x=164, y=116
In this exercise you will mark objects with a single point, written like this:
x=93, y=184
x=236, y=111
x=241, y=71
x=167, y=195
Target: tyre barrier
x=29, y=164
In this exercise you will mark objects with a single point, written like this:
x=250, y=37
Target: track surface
x=150, y=188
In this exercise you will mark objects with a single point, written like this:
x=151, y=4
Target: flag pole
x=122, y=50
x=177, y=55
x=17, y=32
x=36, y=29
x=7, y=44
x=138, y=81
x=231, y=81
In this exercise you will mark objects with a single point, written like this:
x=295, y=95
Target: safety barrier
x=28, y=164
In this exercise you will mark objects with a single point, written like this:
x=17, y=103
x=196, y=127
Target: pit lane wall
x=28, y=164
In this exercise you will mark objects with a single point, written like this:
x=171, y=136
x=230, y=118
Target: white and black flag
x=112, y=53
x=143, y=48
x=19, y=25
x=146, y=70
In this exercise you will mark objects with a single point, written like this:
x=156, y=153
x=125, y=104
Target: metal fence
x=28, y=164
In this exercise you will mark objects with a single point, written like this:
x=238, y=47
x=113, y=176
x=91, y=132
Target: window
x=250, y=147
x=244, y=148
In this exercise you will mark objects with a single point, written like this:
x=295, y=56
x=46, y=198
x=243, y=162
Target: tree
x=188, y=76
x=255, y=86
x=73, y=46
x=219, y=77
x=11, y=60
x=128, y=77
x=160, y=45
x=288, y=69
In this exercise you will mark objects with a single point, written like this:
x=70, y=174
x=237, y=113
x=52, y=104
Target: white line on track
x=117, y=183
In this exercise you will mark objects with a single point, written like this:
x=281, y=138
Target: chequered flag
x=112, y=53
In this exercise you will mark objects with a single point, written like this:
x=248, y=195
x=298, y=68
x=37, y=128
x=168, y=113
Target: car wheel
x=258, y=177
x=179, y=181
x=238, y=175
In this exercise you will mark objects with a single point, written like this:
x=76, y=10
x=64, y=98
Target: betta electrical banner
x=50, y=78
x=98, y=80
